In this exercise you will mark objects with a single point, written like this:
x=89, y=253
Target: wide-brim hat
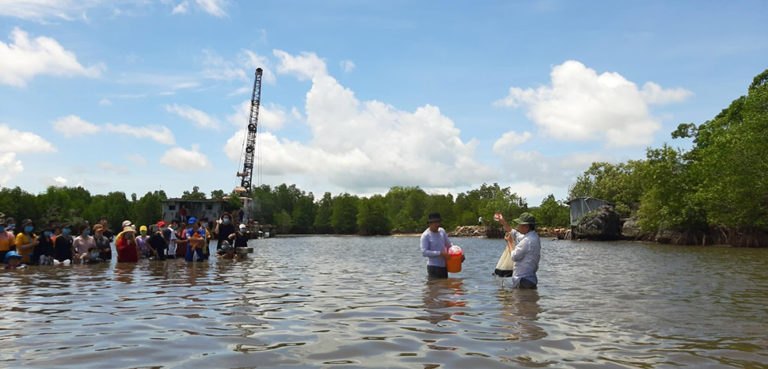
x=525, y=218
x=129, y=229
x=434, y=217
x=98, y=227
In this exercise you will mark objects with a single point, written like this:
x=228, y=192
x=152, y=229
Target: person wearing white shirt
x=525, y=250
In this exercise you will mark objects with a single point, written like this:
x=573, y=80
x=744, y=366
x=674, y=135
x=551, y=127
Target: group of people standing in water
x=60, y=244
x=522, y=244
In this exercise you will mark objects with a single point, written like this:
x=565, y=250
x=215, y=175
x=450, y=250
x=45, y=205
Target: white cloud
x=219, y=69
x=105, y=102
x=41, y=10
x=582, y=105
x=16, y=141
x=347, y=65
x=200, y=118
x=363, y=146
x=253, y=61
x=72, y=125
x=296, y=114
x=160, y=134
x=24, y=58
x=182, y=8
x=185, y=160
x=136, y=159
x=653, y=94
x=546, y=173
x=109, y=167
x=271, y=116
x=213, y=7
x=510, y=140
x=61, y=181
x=9, y=167
x=305, y=66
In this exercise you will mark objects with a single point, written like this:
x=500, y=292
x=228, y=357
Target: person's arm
x=510, y=238
x=518, y=253
x=29, y=245
x=426, y=252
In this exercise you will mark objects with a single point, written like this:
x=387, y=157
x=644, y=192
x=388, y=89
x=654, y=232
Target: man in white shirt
x=525, y=249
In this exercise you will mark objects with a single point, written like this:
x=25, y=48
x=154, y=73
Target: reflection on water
x=520, y=308
x=441, y=294
x=366, y=302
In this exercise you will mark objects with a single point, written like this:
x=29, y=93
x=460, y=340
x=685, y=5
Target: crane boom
x=250, y=146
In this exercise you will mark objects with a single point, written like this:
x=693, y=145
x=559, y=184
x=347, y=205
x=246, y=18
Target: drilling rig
x=250, y=143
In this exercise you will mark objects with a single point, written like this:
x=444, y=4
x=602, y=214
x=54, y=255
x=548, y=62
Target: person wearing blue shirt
x=434, y=246
x=197, y=241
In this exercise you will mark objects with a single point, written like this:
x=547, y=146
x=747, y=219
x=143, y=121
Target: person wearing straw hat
x=525, y=249
x=127, y=248
x=434, y=247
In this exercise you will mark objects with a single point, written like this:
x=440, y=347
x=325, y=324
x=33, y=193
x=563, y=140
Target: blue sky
x=359, y=96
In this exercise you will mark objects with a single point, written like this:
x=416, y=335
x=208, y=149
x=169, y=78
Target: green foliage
x=304, y=214
x=149, y=208
x=344, y=214
x=194, y=195
x=372, y=216
x=283, y=221
x=721, y=182
x=322, y=223
x=620, y=184
x=217, y=194
x=552, y=213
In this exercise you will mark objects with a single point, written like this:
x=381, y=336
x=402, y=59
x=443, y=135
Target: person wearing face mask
x=83, y=242
x=102, y=242
x=43, y=254
x=63, y=248
x=224, y=229
x=11, y=226
x=7, y=240
x=92, y=256
x=26, y=241
x=143, y=242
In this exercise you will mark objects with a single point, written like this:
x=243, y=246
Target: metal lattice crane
x=250, y=144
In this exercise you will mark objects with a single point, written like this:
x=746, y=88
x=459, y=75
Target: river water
x=365, y=302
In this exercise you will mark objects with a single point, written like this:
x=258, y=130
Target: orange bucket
x=453, y=264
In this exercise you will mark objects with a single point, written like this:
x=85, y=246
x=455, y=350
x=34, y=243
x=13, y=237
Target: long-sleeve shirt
x=432, y=243
x=526, y=256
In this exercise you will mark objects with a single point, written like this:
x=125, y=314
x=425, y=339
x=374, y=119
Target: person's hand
x=508, y=236
x=444, y=254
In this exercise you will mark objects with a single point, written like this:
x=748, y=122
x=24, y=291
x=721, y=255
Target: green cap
x=525, y=218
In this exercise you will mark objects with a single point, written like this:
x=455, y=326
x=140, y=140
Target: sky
x=359, y=96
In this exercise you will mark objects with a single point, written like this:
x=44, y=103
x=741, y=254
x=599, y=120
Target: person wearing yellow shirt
x=26, y=241
x=7, y=240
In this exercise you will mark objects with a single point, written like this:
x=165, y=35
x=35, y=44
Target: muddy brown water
x=365, y=302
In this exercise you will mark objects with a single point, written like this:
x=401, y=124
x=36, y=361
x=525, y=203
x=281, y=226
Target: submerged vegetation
x=716, y=192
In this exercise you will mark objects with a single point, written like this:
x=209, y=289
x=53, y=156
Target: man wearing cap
x=527, y=253
x=434, y=246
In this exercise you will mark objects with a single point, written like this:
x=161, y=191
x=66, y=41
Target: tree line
x=717, y=190
x=400, y=210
